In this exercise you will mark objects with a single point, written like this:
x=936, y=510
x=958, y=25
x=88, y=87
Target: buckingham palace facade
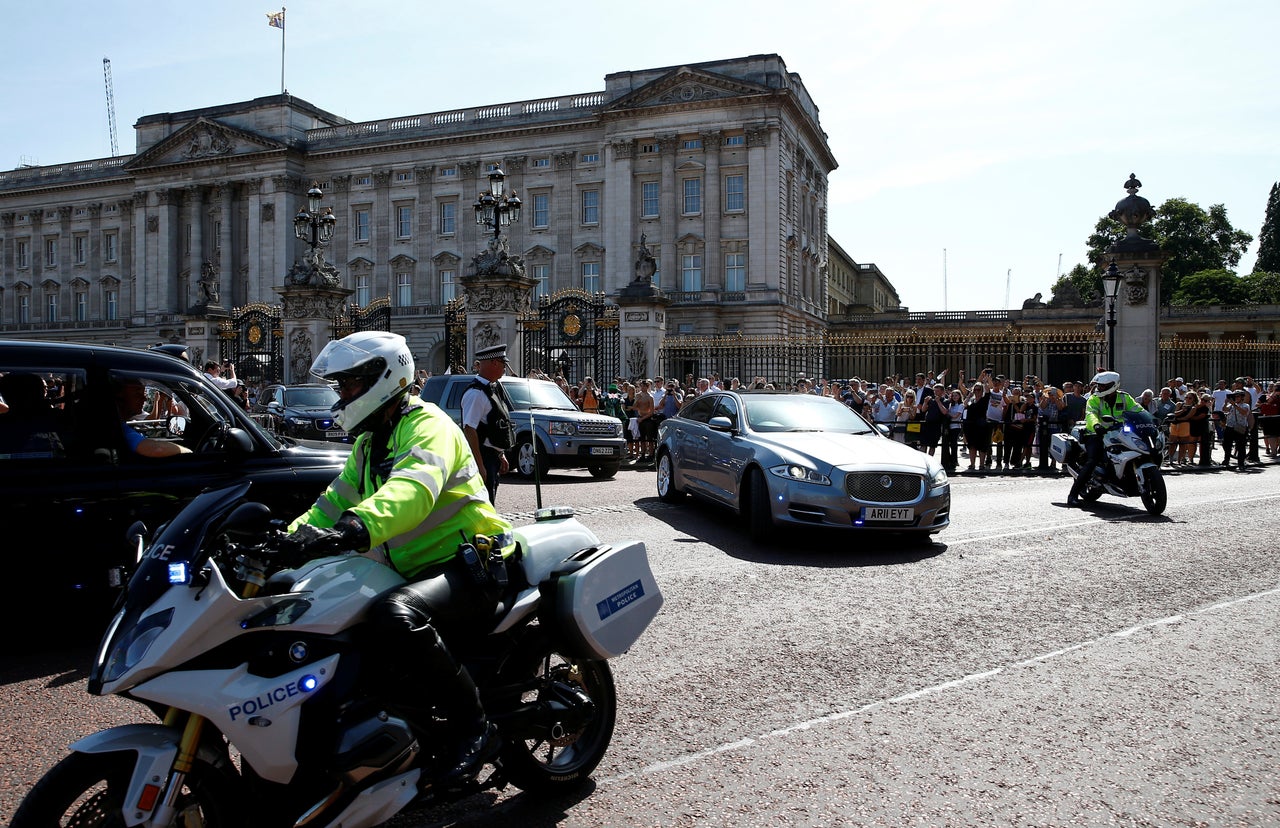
x=719, y=167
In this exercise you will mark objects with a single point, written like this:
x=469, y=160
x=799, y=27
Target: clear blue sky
x=996, y=131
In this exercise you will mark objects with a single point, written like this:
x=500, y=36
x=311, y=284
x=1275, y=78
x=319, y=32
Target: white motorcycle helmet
x=1106, y=382
x=379, y=358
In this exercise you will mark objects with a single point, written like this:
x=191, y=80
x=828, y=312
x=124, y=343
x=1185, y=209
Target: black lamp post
x=494, y=209
x=312, y=226
x=1111, y=285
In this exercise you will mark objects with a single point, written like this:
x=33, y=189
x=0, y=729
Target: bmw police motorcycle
x=1133, y=448
x=268, y=711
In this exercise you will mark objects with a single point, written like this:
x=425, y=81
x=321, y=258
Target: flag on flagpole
x=276, y=19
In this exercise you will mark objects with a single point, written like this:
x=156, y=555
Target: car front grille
x=884, y=487
x=601, y=429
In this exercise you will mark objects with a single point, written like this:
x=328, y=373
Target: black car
x=304, y=411
x=72, y=482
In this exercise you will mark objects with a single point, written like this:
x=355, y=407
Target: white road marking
x=809, y=724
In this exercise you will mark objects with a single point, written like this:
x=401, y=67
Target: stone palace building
x=719, y=168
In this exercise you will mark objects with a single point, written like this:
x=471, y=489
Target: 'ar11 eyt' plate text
x=889, y=513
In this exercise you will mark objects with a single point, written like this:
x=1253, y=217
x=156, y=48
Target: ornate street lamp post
x=1111, y=286
x=312, y=226
x=494, y=209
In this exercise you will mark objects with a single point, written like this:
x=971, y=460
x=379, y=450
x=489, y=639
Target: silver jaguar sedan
x=786, y=459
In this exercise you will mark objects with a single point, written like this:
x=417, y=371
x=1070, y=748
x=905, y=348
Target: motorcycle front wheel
x=87, y=790
x=553, y=764
x=1154, y=493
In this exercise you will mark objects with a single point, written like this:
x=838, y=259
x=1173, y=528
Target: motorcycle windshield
x=180, y=544
x=1141, y=423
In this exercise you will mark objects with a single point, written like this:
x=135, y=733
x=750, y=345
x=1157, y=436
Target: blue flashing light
x=308, y=683
x=178, y=573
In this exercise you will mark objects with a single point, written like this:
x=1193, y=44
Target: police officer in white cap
x=486, y=417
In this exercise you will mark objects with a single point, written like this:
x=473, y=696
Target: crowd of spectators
x=993, y=422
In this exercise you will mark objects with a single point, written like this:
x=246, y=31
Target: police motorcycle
x=1133, y=447
x=270, y=713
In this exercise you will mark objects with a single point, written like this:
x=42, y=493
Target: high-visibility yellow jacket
x=423, y=502
x=1097, y=407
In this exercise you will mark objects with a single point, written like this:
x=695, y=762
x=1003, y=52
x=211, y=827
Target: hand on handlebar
x=307, y=541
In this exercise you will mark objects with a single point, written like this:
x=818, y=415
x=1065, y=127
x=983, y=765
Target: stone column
x=161, y=296
x=669, y=207
x=259, y=274
x=195, y=256
x=618, y=221
x=136, y=277
x=232, y=293
x=496, y=293
x=642, y=326
x=1137, y=328
x=307, y=316
x=383, y=228
x=712, y=252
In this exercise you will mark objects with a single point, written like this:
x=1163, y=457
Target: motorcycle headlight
x=794, y=471
x=132, y=644
x=560, y=428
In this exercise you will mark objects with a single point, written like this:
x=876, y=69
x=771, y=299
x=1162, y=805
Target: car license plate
x=888, y=513
x=602, y=450
x=335, y=434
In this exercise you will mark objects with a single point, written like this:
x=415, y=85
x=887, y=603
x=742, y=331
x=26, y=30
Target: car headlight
x=298, y=421
x=560, y=428
x=794, y=471
x=939, y=478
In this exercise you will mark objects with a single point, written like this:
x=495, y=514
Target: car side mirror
x=177, y=426
x=720, y=424
x=275, y=407
x=885, y=429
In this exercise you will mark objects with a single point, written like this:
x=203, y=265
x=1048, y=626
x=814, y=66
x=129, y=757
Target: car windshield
x=318, y=397
x=801, y=412
x=538, y=394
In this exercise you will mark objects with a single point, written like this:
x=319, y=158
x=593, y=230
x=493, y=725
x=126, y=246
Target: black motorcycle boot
x=475, y=740
x=1077, y=486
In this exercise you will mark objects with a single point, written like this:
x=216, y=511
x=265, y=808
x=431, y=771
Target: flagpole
x=283, y=32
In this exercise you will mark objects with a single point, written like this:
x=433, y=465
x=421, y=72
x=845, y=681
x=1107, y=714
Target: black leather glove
x=309, y=541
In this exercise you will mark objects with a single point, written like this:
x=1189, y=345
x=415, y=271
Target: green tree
x=1261, y=288
x=1192, y=239
x=1269, y=236
x=1079, y=286
x=1211, y=287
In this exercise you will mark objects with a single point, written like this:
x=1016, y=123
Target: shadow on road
x=525, y=810
x=721, y=529
x=64, y=663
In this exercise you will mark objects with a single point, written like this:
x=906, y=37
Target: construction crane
x=111, y=106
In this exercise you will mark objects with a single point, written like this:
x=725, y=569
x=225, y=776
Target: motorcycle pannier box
x=1059, y=447
x=604, y=598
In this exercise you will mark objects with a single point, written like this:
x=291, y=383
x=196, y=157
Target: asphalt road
x=1034, y=666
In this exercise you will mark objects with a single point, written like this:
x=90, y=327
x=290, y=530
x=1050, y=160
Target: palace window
x=448, y=218
x=650, y=192
x=404, y=221
x=543, y=285
x=364, y=290
x=691, y=273
x=735, y=272
x=448, y=287
x=109, y=247
x=590, y=206
x=541, y=209
x=404, y=289
x=591, y=277
x=362, y=225
x=692, y=196
x=734, y=194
